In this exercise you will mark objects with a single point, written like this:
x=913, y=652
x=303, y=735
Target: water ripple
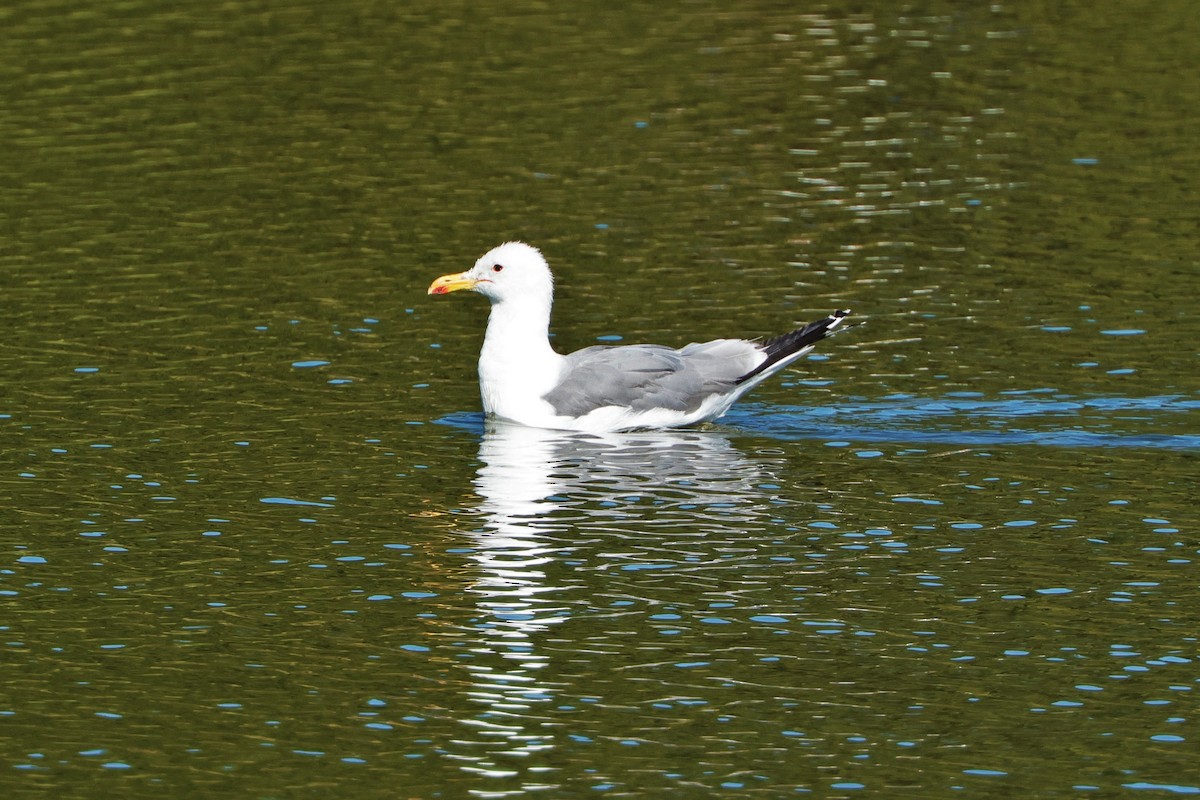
x=1036, y=417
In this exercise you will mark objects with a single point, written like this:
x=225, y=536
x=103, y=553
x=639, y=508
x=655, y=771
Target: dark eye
x=498, y=268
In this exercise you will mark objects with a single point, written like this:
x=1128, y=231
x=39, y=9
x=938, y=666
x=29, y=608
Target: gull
x=604, y=389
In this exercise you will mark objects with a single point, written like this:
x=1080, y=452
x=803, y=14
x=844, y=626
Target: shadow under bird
x=600, y=389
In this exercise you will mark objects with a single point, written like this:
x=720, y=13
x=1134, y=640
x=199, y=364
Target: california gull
x=600, y=389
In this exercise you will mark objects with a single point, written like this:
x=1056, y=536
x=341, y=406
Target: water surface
x=258, y=542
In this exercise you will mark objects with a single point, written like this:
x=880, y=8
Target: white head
x=512, y=271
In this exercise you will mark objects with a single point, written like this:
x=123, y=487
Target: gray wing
x=642, y=377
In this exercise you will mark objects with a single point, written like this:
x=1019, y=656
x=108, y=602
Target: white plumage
x=599, y=389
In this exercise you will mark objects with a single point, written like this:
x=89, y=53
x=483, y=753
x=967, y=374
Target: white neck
x=517, y=365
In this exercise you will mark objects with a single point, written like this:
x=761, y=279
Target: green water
x=258, y=543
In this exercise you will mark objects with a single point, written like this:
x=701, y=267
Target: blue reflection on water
x=1041, y=417
x=1045, y=417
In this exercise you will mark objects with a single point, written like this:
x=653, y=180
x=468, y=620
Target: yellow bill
x=452, y=283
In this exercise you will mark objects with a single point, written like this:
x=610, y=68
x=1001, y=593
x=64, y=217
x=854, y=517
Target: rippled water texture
x=259, y=542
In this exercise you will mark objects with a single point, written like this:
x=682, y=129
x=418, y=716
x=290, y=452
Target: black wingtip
x=781, y=347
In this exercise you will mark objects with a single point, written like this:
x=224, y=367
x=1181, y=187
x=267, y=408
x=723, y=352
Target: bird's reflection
x=517, y=539
x=545, y=497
